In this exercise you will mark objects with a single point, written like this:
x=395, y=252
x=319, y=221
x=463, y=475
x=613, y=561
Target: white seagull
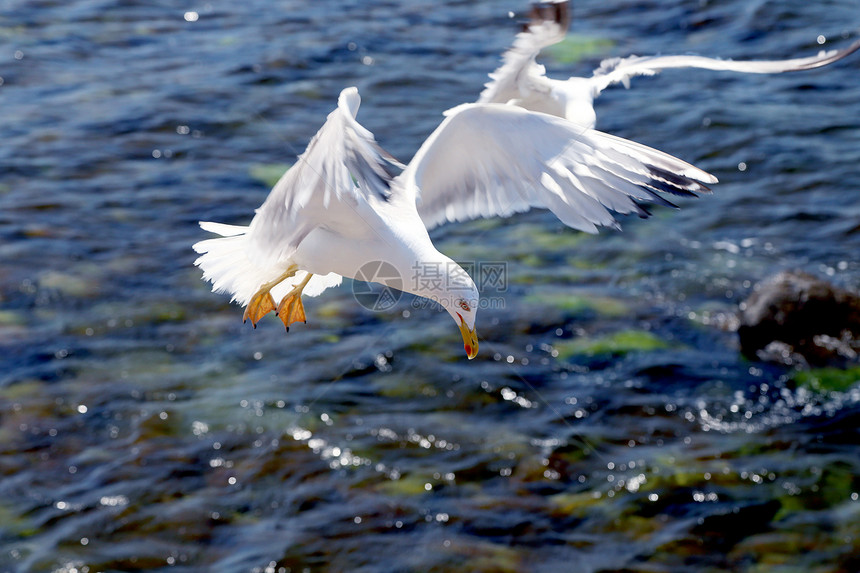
x=346, y=203
x=342, y=205
x=523, y=82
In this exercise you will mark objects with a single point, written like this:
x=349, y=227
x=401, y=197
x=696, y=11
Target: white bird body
x=389, y=231
x=338, y=209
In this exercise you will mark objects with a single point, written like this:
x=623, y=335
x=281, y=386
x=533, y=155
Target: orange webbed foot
x=291, y=309
x=259, y=306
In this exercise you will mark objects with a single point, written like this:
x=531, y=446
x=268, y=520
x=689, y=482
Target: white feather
x=225, y=263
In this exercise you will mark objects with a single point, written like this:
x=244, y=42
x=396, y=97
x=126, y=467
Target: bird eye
x=465, y=305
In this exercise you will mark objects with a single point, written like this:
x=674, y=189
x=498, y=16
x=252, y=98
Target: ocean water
x=609, y=422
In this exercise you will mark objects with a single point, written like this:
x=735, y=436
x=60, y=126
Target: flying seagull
x=521, y=81
x=347, y=203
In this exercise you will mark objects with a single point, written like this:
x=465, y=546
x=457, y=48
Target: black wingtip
x=642, y=209
x=675, y=184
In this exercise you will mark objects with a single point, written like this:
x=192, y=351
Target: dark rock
x=722, y=530
x=798, y=319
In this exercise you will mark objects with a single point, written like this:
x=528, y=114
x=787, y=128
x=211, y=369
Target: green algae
x=23, y=390
x=828, y=379
x=268, y=173
x=528, y=260
x=407, y=486
x=12, y=318
x=69, y=284
x=402, y=386
x=615, y=344
x=166, y=311
x=477, y=555
x=12, y=522
x=577, y=304
x=576, y=47
x=578, y=504
x=540, y=238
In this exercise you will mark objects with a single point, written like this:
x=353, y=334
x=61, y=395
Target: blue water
x=609, y=422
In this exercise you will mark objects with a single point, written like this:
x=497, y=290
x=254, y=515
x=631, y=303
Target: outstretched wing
x=342, y=166
x=520, y=77
x=488, y=160
x=620, y=70
x=341, y=154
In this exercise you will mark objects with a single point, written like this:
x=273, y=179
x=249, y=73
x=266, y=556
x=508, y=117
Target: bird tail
x=225, y=263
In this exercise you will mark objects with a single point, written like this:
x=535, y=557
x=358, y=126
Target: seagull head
x=462, y=309
x=461, y=301
x=437, y=278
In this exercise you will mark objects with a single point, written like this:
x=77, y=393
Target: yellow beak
x=470, y=339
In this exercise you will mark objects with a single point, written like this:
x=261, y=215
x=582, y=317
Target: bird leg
x=262, y=302
x=291, y=309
